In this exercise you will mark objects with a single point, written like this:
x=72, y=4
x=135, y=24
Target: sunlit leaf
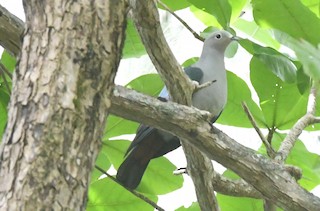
x=133, y=46
x=289, y=16
x=281, y=103
x=220, y=9
x=273, y=61
x=175, y=5
x=233, y=113
x=106, y=194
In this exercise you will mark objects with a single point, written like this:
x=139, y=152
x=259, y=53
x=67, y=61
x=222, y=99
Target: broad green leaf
x=308, y=162
x=303, y=81
x=237, y=8
x=258, y=33
x=220, y=9
x=309, y=57
x=106, y=194
x=175, y=5
x=115, y=151
x=103, y=162
x=193, y=207
x=313, y=5
x=150, y=84
x=281, y=103
x=158, y=178
x=117, y=126
x=8, y=61
x=133, y=46
x=274, y=61
x=230, y=203
x=206, y=18
x=239, y=92
x=4, y=100
x=231, y=50
x=289, y=16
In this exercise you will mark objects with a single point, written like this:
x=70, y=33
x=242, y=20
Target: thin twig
x=308, y=119
x=182, y=21
x=270, y=134
x=268, y=146
x=139, y=195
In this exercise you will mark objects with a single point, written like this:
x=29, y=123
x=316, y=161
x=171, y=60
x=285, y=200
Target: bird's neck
x=207, y=55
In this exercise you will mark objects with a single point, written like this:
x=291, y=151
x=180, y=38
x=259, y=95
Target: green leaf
x=258, y=33
x=193, y=207
x=103, y=162
x=4, y=100
x=106, y=194
x=8, y=61
x=133, y=46
x=175, y=5
x=237, y=8
x=220, y=9
x=303, y=81
x=117, y=126
x=158, y=178
x=230, y=203
x=150, y=84
x=281, y=103
x=289, y=16
x=274, y=61
x=206, y=18
x=313, y=5
x=239, y=92
x=308, y=55
x=308, y=162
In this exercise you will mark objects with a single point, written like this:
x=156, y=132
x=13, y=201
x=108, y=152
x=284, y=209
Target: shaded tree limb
x=11, y=28
x=146, y=18
x=267, y=176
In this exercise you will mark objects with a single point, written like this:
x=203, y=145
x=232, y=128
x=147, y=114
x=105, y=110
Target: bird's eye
x=218, y=36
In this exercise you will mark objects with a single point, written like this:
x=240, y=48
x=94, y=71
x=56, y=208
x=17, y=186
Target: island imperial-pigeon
x=150, y=142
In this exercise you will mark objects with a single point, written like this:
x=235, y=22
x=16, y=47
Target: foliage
x=281, y=82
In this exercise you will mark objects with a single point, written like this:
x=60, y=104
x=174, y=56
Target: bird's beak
x=235, y=38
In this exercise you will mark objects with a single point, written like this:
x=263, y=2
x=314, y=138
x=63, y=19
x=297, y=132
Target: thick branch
x=267, y=176
x=146, y=19
x=11, y=28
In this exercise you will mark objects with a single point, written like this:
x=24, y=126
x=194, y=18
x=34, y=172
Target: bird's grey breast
x=214, y=97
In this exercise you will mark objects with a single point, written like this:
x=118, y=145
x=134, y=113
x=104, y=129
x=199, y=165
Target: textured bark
x=267, y=176
x=60, y=99
x=146, y=18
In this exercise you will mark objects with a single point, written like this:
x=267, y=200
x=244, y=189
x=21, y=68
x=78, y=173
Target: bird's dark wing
x=194, y=73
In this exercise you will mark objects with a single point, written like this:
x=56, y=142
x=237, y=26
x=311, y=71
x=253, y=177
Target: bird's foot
x=201, y=86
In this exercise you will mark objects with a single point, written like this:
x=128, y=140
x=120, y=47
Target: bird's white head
x=219, y=40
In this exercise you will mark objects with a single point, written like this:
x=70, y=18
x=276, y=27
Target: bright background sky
x=185, y=46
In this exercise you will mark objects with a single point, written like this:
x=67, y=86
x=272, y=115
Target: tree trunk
x=70, y=54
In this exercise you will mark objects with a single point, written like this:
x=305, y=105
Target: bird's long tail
x=132, y=169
